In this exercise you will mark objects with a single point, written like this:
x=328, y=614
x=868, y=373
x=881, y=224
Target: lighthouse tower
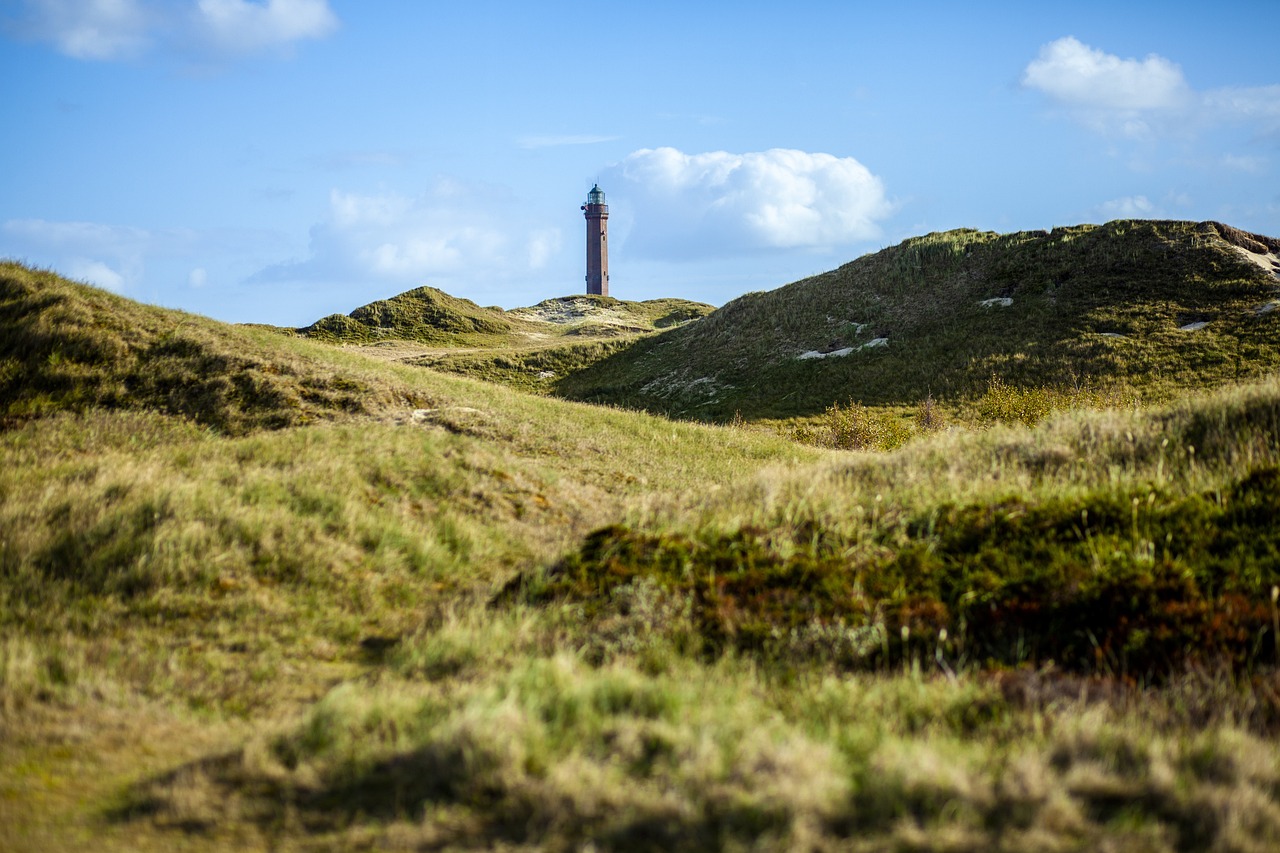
x=597, y=213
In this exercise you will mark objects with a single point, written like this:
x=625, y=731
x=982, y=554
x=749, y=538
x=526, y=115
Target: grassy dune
x=431, y=316
x=525, y=348
x=1153, y=308
x=443, y=614
x=70, y=348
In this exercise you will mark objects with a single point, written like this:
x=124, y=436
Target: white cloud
x=719, y=203
x=108, y=256
x=1078, y=75
x=1128, y=207
x=542, y=245
x=124, y=29
x=349, y=211
x=89, y=29
x=1259, y=105
x=241, y=26
x=1137, y=98
x=1245, y=163
x=1171, y=205
x=76, y=234
x=95, y=273
x=451, y=232
x=136, y=260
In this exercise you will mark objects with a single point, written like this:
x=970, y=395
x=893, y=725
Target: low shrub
x=855, y=427
x=1132, y=585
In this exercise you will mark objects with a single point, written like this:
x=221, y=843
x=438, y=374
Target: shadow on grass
x=436, y=798
x=219, y=795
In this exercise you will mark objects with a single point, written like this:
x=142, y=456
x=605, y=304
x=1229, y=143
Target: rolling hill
x=1156, y=307
x=262, y=592
x=429, y=316
x=527, y=348
x=66, y=347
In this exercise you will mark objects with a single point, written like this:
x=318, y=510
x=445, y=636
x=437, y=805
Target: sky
x=276, y=161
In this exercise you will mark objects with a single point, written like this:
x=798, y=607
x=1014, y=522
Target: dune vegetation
x=526, y=348
x=258, y=591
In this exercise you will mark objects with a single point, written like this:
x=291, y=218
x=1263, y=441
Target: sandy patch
x=678, y=384
x=573, y=311
x=874, y=343
x=996, y=302
x=1268, y=261
x=835, y=353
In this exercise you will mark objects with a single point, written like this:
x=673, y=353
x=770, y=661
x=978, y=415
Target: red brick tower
x=597, y=213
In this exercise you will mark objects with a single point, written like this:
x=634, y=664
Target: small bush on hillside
x=855, y=427
x=929, y=416
x=1004, y=403
x=1011, y=404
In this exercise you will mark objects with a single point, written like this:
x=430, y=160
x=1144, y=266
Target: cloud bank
x=1139, y=97
x=450, y=232
x=106, y=30
x=122, y=257
x=718, y=203
x=108, y=256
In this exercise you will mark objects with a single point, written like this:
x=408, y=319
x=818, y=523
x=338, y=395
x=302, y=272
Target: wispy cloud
x=243, y=27
x=720, y=203
x=1141, y=97
x=118, y=257
x=96, y=273
x=1128, y=207
x=552, y=141
x=108, y=30
x=108, y=256
x=1256, y=104
x=1171, y=204
x=89, y=29
x=1244, y=163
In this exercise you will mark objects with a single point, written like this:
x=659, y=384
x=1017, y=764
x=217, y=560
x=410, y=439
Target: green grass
x=460, y=617
x=853, y=426
x=531, y=369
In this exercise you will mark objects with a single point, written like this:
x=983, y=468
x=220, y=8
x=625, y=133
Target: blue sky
x=280, y=160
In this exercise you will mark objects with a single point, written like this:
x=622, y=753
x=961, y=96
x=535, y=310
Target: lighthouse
x=597, y=213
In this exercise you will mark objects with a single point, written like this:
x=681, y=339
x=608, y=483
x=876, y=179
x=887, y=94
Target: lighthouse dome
x=596, y=196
